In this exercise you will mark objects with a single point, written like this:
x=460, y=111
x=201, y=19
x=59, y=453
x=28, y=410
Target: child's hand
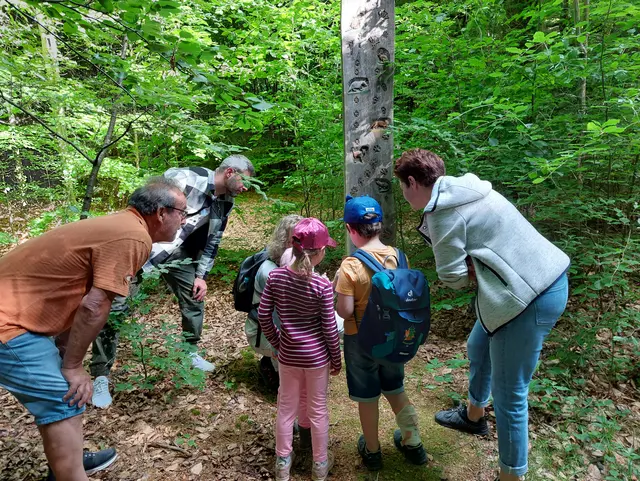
x=334, y=372
x=471, y=269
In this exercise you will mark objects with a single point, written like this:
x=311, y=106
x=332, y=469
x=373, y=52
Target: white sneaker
x=283, y=467
x=320, y=470
x=101, y=397
x=199, y=363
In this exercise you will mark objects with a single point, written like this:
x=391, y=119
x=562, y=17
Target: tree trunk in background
x=50, y=51
x=368, y=35
x=580, y=15
x=88, y=196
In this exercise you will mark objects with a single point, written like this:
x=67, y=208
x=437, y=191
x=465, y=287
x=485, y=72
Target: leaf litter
x=225, y=431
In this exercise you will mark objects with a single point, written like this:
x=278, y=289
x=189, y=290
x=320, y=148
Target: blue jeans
x=30, y=370
x=367, y=377
x=503, y=364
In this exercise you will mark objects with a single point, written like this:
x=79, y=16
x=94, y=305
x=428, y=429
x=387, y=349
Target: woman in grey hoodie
x=522, y=289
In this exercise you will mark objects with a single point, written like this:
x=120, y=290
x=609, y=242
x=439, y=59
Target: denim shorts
x=30, y=370
x=367, y=377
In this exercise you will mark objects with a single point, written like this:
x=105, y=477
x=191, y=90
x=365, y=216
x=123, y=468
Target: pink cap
x=310, y=233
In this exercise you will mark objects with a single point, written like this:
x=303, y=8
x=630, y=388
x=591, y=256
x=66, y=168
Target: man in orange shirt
x=62, y=284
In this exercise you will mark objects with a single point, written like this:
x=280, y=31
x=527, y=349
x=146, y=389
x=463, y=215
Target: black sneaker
x=93, y=462
x=268, y=373
x=456, y=418
x=414, y=454
x=371, y=461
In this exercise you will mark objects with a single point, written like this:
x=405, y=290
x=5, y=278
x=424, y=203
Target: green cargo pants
x=180, y=280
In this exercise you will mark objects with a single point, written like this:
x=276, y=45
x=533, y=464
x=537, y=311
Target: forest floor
x=225, y=431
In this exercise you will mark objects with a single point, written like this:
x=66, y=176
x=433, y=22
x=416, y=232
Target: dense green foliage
x=542, y=99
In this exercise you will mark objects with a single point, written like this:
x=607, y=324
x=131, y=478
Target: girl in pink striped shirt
x=307, y=344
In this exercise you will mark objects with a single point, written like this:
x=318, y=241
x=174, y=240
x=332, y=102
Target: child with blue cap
x=368, y=378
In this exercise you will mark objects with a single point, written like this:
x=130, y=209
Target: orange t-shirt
x=354, y=279
x=44, y=280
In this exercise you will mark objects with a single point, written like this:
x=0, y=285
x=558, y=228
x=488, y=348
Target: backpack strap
x=368, y=260
x=402, y=260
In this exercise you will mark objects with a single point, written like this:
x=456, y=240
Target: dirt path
x=225, y=431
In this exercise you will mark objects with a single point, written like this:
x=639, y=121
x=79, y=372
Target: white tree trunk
x=368, y=35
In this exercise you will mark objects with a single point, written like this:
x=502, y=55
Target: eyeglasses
x=183, y=213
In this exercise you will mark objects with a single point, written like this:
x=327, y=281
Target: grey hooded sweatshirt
x=514, y=263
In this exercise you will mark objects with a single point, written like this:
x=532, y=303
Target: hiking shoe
x=456, y=418
x=283, y=467
x=320, y=470
x=101, y=397
x=199, y=363
x=93, y=462
x=371, y=461
x=268, y=373
x=414, y=454
x=305, y=439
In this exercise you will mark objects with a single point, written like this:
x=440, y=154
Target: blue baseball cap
x=356, y=208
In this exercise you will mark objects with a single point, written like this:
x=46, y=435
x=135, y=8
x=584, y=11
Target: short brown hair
x=367, y=231
x=421, y=164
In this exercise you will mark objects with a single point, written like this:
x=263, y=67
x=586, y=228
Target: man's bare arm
x=91, y=316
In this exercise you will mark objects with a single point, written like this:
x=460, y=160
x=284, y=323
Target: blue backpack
x=397, y=319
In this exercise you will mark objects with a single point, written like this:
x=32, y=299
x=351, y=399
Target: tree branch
x=100, y=69
x=126, y=130
x=41, y=122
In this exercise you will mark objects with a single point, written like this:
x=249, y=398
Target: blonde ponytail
x=302, y=263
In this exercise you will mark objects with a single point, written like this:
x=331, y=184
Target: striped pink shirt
x=308, y=335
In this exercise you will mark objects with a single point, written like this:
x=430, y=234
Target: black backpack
x=244, y=285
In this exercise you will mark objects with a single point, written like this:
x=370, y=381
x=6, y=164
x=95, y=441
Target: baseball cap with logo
x=310, y=233
x=357, y=208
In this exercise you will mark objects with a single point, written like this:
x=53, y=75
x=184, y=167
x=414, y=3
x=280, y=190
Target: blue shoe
x=93, y=462
x=371, y=461
x=456, y=418
x=414, y=454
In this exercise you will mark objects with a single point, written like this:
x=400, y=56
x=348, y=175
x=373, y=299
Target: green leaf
x=493, y=142
x=107, y=5
x=514, y=50
x=538, y=180
x=70, y=27
x=262, y=105
x=189, y=48
x=152, y=27
x=129, y=17
x=199, y=78
x=613, y=130
x=539, y=37
x=158, y=47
